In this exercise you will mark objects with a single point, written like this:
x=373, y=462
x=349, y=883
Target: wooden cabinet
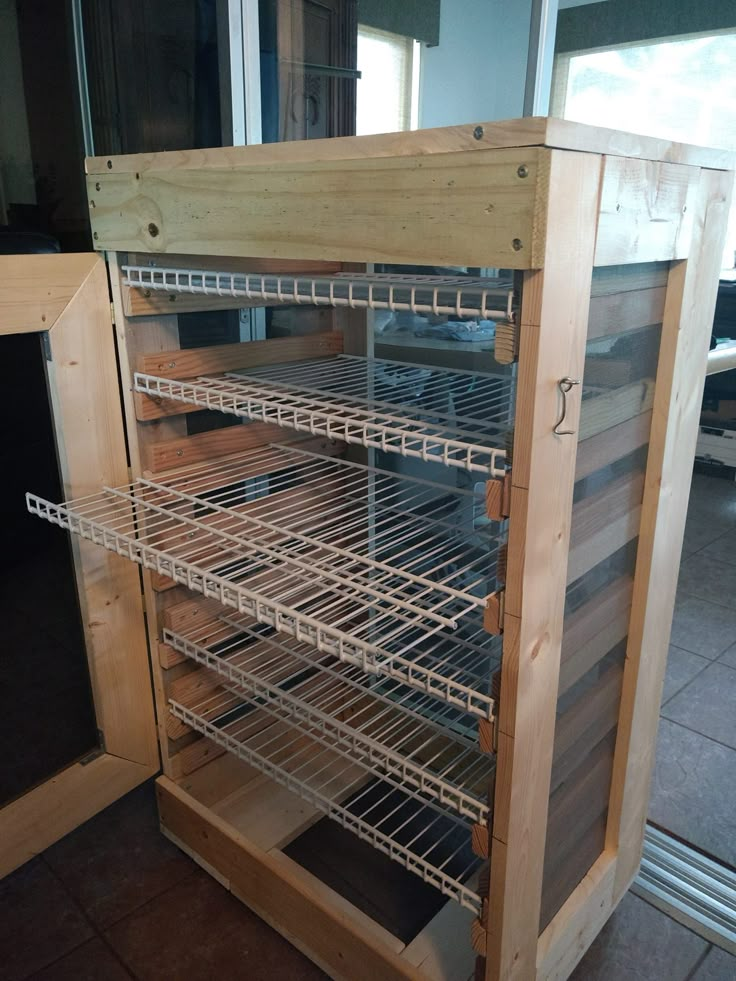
x=431, y=603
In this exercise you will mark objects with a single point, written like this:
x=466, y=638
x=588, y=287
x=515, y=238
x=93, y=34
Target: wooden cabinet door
x=65, y=300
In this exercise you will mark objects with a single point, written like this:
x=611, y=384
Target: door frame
x=65, y=298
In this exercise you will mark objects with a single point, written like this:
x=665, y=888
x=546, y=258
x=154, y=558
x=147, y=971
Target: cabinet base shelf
x=342, y=940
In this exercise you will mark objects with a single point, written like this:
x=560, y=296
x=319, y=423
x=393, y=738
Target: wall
x=16, y=166
x=478, y=70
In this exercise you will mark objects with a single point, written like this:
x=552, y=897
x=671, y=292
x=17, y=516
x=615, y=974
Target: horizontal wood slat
x=612, y=444
x=218, y=443
x=600, y=413
x=634, y=276
x=603, y=523
x=196, y=361
x=226, y=357
x=615, y=313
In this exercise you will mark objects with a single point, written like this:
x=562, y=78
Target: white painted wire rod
x=376, y=732
x=456, y=296
x=407, y=831
x=380, y=640
x=385, y=522
x=351, y=424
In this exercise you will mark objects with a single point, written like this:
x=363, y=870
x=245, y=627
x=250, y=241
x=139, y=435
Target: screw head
x=180, y=452
x=153, y=230
x=478, y=133
x=517, y=245
x=171, y=364
x=97, y=186
x=522, y=170
x=94, y=236
x=109, y=164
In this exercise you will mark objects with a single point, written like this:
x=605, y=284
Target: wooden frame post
x=552, y=346
x=67, y=295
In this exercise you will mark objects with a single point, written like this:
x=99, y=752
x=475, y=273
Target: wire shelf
x=396, y=634
x=455, y=296
x=432, y=844
x=386, y=727
x=457, y=418
x=406, y=538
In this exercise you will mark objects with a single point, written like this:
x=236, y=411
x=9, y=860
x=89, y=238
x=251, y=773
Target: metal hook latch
x=565, y=385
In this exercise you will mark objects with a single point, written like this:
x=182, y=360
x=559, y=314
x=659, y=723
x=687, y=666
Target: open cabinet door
x=64, y=299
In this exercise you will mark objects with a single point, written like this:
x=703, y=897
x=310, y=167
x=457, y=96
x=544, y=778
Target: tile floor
x=115, y=900
x=694, y=791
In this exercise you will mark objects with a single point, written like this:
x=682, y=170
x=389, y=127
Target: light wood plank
x=380, y=209
x=612, y=444
x=602, y=412
x=530, y=131
x=35, y=289
x=212, y=360
x=691, y=295
x=646, y=212
x=576, y=925
x=327, y=934
x=544, y=465
x=40, y=817
x=616, y=312
x=83, y=386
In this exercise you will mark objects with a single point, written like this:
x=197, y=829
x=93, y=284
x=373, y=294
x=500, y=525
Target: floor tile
x=717, y=966
x=640, y=944
x=682, y=667
x=92, y=961
x=708, y=704
x=198, y=931
x=119, y=859
x=714, y=497
x=700, y=531
x=702, y=627
x=723, y=548
x=729, y=657
x=693, y=795
x=39, y=923
x=708, y=578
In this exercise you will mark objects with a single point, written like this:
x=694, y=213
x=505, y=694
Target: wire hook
x=565, y=385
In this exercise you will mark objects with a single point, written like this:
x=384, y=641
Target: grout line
x=698, y=963
x=687, y=684
x=718, y=742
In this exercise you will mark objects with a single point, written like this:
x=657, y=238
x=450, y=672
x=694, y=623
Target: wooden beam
x=616, y=312
x=541, y=500
x=379, y=209
x=646, y=211
x=225, y=357
x=90, y=441
x=602, y=412
x=691, y=295
x=33, y=822
x=612, y=444
x=191, y=362
x=35, y=290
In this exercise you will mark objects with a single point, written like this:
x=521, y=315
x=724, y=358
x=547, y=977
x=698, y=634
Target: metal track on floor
x=692, y=889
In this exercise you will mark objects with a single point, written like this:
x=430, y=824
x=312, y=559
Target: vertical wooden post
x=552, y=346
x=689, y=306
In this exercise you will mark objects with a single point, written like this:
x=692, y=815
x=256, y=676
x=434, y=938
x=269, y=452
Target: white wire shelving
x=432, y=844
x=455, y=296
x=385, y=727
x=457, y=418
x=354, y=579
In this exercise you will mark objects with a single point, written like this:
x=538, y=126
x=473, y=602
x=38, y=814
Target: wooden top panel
x=478, y=209
x=533, y=131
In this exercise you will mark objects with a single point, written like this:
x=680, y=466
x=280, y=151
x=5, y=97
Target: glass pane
x=615, y=419
x=48, y=718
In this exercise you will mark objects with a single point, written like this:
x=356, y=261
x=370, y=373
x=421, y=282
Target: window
x=682, y=89
x=388, y=89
